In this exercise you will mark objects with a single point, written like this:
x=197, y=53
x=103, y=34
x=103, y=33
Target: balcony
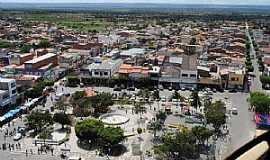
x=257, y=149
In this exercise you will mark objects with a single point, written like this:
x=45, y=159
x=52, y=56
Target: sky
x=235, y=2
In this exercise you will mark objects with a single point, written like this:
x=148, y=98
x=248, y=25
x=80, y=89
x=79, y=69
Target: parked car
x=81, y=85
x=116, y=88
x=160, y=87
x=17, y=136
x=234, y=111
x=131, y=89
x=233, y=90
x=21, y=130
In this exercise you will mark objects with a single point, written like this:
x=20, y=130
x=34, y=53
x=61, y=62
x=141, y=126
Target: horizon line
x=135, y=3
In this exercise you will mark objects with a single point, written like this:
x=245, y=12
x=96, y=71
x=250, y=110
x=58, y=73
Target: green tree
x=179, y=145
x=201, y=133
x=101, y=102
x=93, y=131
x=156, y=126
x=88, y=130
x=62, y=118
x=78, y=95
x=61, y=105
x=26, y=48
x=156, y=94
x=196, y=102
x=139, y=108
x=37, y=120
x=265, y=80
x=110, y=136
x=5, y=44
x=73, y=81
x=215, y=115
x=45, y=134
x=260, y=101
x=37, y=90
x=139, y=130
x=161, y=116
x=193, y=41
x=81, y=112
x=44, y=43
x=175, y=95
x=144, y=93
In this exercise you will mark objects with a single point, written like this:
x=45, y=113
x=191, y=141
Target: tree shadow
x=117, y=150
x=86, y=145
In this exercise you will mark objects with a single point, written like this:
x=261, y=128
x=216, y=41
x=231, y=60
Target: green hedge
x=265, y=79
x=119, y=81
x=73, y=81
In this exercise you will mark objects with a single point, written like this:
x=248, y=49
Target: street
x=256, y=84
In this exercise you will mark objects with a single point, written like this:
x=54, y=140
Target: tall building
x=8, y=91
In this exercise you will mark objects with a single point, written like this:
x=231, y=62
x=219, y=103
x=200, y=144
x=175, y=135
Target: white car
x=58, y=96
x=234, y=111
x=17, y=136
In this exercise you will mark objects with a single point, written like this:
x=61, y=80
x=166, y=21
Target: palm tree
x=195, y=100
x=156, y=126
x=139, y=108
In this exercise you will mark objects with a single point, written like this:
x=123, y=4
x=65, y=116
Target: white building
x=105, y=69
x=8, y=91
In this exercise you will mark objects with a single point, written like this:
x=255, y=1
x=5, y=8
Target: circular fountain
x=114, y=119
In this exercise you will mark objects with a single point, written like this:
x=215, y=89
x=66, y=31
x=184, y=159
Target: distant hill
x=131, y=7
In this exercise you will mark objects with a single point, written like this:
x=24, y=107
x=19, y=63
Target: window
x=13, y=85
x=14, y=91
x=5, y=96
x=4, y=86
x=105, y=73
x=234, y=79
x=96, y=73
x=193, y=76
x=184, y=75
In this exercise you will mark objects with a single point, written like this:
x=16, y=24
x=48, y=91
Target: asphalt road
x=255, y=84
x=242, y=126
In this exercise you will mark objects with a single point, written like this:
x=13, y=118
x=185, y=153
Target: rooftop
x=108, y=64
x=41, y=58
x=176, y=60
x=133, y=52
x=189, y=62
x=6, y=80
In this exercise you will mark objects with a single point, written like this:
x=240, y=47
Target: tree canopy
x=111, y=136
x=62, y=118
x=37, y=120
x=181, y=145
x=44, y=43
x=88, y=129
x=215, y=114
x=195, y=99
x=260, y=101
x=201, y=133
x=94, y=131
x=38, y=89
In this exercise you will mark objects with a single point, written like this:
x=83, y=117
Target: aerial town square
x=134, y=81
